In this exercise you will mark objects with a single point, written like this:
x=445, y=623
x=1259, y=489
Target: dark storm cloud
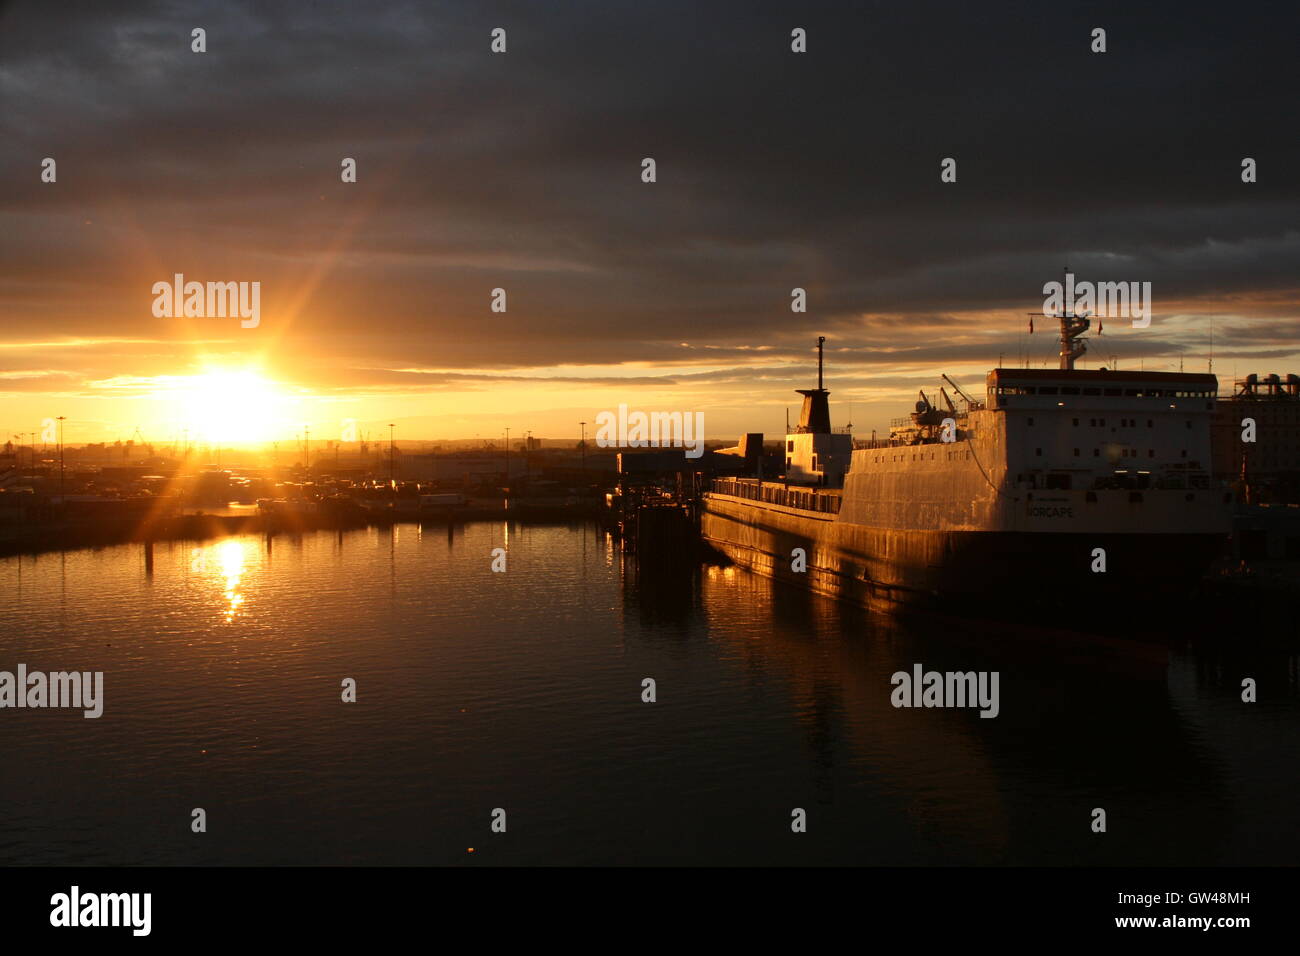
x=522, y=171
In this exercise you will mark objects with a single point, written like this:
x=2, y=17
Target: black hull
x=994, y=574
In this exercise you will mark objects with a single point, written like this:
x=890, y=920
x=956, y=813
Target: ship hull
x=994, y=572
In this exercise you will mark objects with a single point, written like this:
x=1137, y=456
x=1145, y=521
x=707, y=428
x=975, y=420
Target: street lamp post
x=528, y=447
x=60, y=420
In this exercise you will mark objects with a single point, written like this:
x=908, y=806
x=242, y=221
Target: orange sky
x=247, y=386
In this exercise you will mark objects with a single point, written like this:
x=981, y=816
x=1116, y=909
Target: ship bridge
x=1060, y=388
x=1068, y=428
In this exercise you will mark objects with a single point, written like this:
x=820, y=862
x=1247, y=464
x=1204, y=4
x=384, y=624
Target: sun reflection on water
x=230, y=555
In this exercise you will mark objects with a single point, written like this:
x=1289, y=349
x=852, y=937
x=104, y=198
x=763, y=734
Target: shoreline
x=45, y=537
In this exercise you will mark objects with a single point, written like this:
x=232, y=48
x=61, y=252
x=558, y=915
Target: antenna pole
x=820, y=340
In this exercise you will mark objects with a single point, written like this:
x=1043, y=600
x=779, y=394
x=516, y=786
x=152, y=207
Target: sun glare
x=228, y=406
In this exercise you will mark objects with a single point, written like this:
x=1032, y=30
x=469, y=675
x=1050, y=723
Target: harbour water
x=223, y=663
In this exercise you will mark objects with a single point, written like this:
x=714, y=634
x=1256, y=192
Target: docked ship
x=1056, y=487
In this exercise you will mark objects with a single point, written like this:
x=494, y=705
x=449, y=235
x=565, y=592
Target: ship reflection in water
x=522, y=690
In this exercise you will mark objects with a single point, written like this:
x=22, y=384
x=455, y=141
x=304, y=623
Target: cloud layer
x=522, y=171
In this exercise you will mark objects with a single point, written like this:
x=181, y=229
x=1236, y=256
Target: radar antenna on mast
x=1072, y=326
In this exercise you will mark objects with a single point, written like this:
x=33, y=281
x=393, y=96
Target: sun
x=236, y=406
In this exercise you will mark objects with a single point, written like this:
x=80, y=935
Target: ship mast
x=1072, y=326
x=1072, y=347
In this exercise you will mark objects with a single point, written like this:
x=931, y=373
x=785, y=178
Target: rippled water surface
x=223, y=664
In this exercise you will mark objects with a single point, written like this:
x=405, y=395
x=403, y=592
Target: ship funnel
x=815, y=417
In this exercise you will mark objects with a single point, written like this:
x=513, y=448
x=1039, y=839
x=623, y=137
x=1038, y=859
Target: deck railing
x=821, y=500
